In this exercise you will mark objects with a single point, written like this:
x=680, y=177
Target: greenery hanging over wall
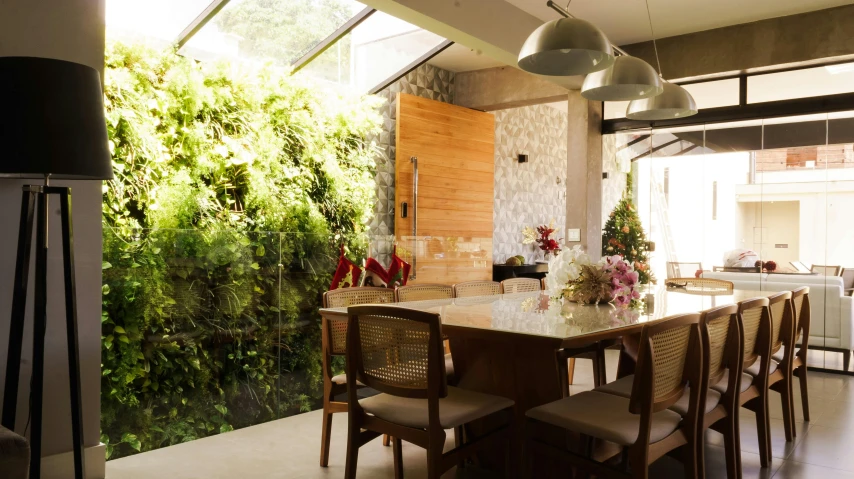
x=234, y=184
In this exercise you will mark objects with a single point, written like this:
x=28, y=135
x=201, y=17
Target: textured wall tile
x=528, y=194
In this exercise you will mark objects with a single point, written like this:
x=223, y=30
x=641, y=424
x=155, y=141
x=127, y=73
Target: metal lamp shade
x=673, y=102
x=566, y=47
x=629, y=78
x=52, y=120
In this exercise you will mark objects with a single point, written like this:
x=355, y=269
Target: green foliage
x=233, y=186
x=623, y=234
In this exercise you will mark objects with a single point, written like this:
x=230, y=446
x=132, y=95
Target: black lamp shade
x=52, y=120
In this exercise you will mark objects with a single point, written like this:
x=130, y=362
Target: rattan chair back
x=721, y=342
x=682, y=270
x=801, y=311
x=702, y=285
x=826, y=270
x=344, y=297
x=668, y=360
x=755, y=323
x=422, y=292
x=780, y=307
x=520, y=285
x=476, y=288
x=396, y=351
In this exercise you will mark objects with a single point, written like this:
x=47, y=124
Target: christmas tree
x=624, y=235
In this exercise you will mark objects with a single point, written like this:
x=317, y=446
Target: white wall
x=69, y=30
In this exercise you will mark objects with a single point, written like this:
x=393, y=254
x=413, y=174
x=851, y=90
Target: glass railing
x=209, y=331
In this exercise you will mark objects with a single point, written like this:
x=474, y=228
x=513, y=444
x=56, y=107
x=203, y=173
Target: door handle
x=414, y=161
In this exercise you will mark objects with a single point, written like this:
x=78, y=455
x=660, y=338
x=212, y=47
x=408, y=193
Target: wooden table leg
x=522, y=369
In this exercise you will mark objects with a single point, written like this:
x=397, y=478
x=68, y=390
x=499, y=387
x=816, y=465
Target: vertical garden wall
x=235, y=183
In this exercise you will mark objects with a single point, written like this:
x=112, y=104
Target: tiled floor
x=289, y=448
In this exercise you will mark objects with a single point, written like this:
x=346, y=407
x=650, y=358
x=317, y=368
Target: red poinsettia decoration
x=545, y=241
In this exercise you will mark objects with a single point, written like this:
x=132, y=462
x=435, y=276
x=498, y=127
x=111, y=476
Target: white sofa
x=832, y=313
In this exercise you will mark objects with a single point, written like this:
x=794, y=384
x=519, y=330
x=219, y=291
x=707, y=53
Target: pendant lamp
x=629, y=78
x=673, y=102
x=566, y=47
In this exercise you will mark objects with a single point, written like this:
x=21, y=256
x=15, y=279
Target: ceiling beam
x=330, y=40
x=200, y=21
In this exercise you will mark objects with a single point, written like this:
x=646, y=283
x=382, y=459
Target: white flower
x=566, y=267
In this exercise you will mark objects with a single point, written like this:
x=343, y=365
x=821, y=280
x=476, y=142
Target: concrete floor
x=289, y=448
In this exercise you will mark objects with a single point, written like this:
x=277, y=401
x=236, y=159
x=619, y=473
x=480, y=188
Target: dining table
x=506, y=344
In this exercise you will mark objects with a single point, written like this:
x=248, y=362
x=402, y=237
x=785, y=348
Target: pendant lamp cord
x=652, y=32
x=567, y=4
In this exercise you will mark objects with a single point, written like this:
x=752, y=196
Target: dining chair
x=398, y=352
x=826, y=270
x=520, y=285
x=720, y=335
x=676, y=269
x=476, y=288
x=669, y=359
x=795, y=363
x=422, y=292
x=782, y=340
x=755, y=326
x=333, y=343
x=701, y=285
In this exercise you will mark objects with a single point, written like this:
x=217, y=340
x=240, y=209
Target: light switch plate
x=573, y=234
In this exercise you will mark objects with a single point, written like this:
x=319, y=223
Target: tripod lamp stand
x=52, y=126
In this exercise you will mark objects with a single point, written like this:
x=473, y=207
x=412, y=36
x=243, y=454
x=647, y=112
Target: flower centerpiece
x=543, y=237
x=574, y=276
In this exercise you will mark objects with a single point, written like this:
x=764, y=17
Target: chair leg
x=571, y=371
x=326, y=435
x=763, y=430
x=459, y=441
x=785, y=390
x=600, y=356
x=691, y=459
x=434, y=456
x=352, y=451
x=846, y=360
x=386, y=440
x=638, y=463
x=805, y=400
x=732, y=446
x=398, y=458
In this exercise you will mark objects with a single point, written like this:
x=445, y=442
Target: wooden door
x=447, y=231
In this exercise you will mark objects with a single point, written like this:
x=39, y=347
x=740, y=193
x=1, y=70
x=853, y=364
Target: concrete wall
x=69, y=30
x=776, y=41
x=504, y=87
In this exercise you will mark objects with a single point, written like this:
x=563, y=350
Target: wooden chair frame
x=724, y=417
x=837, y=270
x=755, y=397
x=527, y=284
x=795, y=362
x=781, y=380
x=330, y=389
x=363, y=427
x=706, y=284
x=641, y=454
x=461, y=290
x=594, y=352
x=444, y=291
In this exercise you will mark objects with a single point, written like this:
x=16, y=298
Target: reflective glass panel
x=809, y=82
x=156, y=22
x=376, y=49
x=267, y=30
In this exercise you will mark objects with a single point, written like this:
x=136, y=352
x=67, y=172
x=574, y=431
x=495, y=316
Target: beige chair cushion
x=14, y=455
x=746, y=381
x=459, y=407
x=753, y=370
x=449, y=371
x=623, y=388
x=778, y=356
x=605, y=416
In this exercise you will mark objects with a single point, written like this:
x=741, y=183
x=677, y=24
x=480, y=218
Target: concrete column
x=70, y=30
x=584, y=172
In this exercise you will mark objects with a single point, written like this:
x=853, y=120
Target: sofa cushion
x=14, y=455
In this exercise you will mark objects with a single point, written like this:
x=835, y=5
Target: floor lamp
x=52, y=125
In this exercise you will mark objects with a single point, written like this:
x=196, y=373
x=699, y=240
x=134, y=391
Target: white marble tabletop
x=535, y=314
